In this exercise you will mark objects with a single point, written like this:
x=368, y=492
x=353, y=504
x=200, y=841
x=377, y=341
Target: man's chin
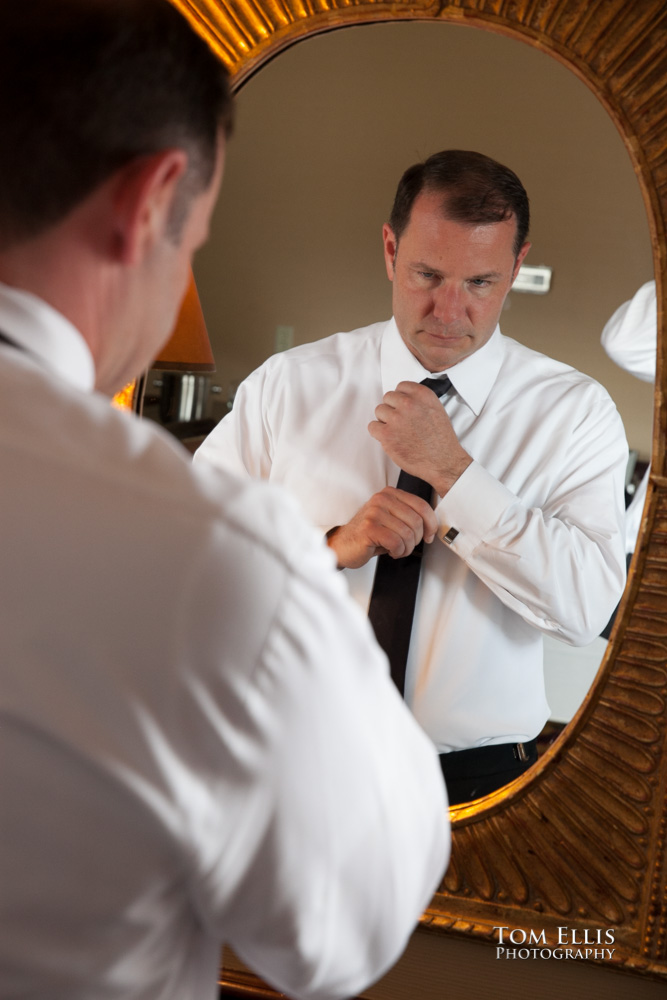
x=437, y=353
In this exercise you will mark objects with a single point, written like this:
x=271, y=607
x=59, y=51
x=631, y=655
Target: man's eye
x=480, y=282
x=428, y=275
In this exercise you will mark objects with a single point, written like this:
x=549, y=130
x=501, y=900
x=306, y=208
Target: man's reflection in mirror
x=521, y=531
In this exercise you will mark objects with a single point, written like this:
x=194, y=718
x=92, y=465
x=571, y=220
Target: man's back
x=188, y=705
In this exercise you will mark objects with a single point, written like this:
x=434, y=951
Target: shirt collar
x=47, y=336
x=471, y=378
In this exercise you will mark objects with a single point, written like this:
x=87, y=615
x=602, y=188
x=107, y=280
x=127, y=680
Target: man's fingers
x=382, y=414
x=401, y=521
x=392, y=525
x=402, y=398
x=391, y=522
x=396, y=536
x=425, y=512
x=414, y=389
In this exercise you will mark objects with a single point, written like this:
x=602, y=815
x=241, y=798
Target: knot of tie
x=438, y=385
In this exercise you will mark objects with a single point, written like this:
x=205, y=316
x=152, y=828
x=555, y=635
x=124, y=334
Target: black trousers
x=469, y=774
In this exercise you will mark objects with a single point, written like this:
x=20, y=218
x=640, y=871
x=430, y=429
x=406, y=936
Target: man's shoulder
x=205, y=506
x=126, y=478
x=337, y=350
x=525, y=365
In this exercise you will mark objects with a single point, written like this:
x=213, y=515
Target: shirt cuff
x=472, y=507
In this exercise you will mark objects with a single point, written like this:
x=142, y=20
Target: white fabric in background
x=630, y=339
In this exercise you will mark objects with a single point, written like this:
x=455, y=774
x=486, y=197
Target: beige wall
x=325, y=130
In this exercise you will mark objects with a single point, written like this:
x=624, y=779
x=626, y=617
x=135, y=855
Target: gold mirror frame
x=581, y=839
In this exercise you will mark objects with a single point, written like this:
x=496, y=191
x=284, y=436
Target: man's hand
x=417, y=434
x=391, y=522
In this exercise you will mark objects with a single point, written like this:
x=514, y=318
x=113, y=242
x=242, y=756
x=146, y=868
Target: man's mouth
x=444, y=337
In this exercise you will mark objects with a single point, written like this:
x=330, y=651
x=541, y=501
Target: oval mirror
x=323, y=135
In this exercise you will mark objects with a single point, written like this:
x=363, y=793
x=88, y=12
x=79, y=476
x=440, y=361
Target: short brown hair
x=88, y=85
x=475, y=188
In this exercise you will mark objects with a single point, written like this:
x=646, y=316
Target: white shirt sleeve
x=560, y=566
x=333, y=824
x=630, y=335
x=242, y=442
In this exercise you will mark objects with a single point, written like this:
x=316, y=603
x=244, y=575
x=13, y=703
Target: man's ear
x=390, y=248
x=143, y=196
x=519, y=260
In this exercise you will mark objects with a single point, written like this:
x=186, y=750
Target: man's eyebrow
x=420, y=265
x=489, y=274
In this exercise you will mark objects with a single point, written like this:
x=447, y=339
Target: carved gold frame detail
x=580, y=840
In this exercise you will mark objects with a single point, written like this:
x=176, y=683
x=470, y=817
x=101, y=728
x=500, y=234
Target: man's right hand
x=391, y=522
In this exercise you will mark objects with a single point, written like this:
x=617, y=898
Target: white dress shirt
x=630, y=339
x=199, y=740
x=538, y=513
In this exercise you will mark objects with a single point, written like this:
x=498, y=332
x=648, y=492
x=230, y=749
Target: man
x=524, y=455
x=200, y=741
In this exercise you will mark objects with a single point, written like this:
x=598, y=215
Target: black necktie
x=394, y=593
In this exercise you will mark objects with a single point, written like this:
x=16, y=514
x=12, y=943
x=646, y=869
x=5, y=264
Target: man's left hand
x=416, y=433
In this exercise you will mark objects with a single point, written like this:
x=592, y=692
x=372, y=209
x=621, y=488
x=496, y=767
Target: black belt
x=490, y=759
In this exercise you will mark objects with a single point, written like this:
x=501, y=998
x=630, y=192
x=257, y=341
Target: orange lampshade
x=188, y=349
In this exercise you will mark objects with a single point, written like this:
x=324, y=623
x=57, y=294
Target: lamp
x=188, y=349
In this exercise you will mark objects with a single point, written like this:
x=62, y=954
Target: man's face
x=152, y=293
x=173, y=259
x=449, y=280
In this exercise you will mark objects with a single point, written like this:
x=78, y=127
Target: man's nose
x=447, y=303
